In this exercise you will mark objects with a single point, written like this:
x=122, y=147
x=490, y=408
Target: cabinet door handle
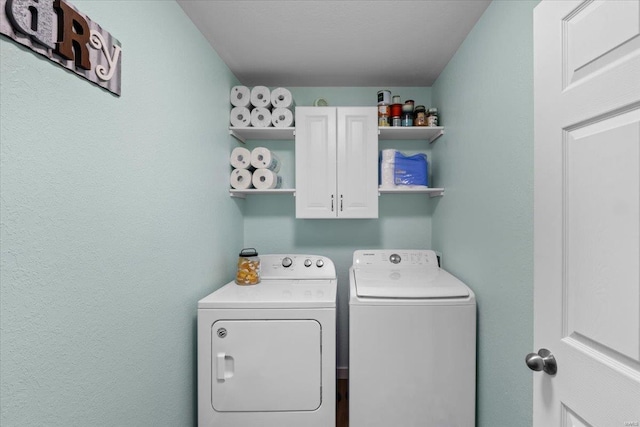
x=341, y=203
x=332, y=203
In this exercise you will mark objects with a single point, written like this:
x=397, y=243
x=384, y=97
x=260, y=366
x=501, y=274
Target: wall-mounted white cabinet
x=336, y=162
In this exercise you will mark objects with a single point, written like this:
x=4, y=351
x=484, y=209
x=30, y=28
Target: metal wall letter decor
x=57, y=30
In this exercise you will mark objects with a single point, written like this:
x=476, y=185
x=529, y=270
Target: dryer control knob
x=319, y=263
x=286, y=262
x=307, y=262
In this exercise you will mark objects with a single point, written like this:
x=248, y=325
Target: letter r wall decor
x=57, y=30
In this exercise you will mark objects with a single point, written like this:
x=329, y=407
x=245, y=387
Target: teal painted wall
x=484, y=224
x=114, y=222
x=404, y=223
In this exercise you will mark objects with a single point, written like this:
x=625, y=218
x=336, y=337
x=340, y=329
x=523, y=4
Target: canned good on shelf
x=384, y=97
x=408, y=106
x=407, y=119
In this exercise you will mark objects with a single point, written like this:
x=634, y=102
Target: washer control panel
x=395, y=258
x=294, y=266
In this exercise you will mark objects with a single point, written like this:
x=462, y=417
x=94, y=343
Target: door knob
x=542, y=361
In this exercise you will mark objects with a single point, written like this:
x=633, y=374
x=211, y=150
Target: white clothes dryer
x=412, y=342
x=267, y=352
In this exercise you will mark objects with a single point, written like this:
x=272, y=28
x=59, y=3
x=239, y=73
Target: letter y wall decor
x=57, y=30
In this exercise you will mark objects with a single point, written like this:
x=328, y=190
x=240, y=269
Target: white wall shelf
x=384, y=133
x=241, y=194
x=244, y=134
x=410, y=132
x=424, y=133
x=432, y=192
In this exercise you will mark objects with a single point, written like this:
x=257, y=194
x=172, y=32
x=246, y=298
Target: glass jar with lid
x=420, y=116
x=408, y=107
x=432, y=117
x=248, y=272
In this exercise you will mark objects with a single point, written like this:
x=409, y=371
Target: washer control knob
x=395, y=259
x=286, y=262
x=319, y=263
x=307, y=262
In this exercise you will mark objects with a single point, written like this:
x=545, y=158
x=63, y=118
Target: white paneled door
x=587, y=214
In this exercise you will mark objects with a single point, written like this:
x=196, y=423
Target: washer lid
x=274, y=294
x=408, y=282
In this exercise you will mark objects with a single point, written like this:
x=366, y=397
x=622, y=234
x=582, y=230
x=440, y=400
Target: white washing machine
x=412, y=342
x=267, y=352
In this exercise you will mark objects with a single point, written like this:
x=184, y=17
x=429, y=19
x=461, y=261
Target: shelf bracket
x=436, y=136
x=237, y=195
x=236, y=136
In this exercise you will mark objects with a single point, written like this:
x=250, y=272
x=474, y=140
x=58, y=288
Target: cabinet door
x=316, y=162
x=357, y=162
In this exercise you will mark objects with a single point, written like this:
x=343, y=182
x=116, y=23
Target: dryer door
x=266, y=365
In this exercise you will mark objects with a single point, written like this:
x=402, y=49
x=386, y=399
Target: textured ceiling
x=335, y=43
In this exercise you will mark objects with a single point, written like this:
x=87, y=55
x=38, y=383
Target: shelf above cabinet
x=410, y=132
x=432, y=192
x=244, y=134
x=241, y=194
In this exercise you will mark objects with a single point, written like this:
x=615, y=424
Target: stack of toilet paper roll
x=387, y=168
x=261, y=107
x=254, y=169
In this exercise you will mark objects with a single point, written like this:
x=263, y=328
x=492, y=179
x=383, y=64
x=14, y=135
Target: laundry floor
x=342, y=403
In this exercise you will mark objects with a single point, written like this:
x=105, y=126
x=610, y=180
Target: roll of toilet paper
x=240, y=158
x=240, y=96
x=240, y=179
x=264, y=179
x=261, y=97
x=240, y=117
x=387, y=168
x=263, y=158
x=260, y=117
x=388, y=155
x=282, y=117
x=282, y=98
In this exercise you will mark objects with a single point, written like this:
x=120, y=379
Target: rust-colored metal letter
x=73, y=35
